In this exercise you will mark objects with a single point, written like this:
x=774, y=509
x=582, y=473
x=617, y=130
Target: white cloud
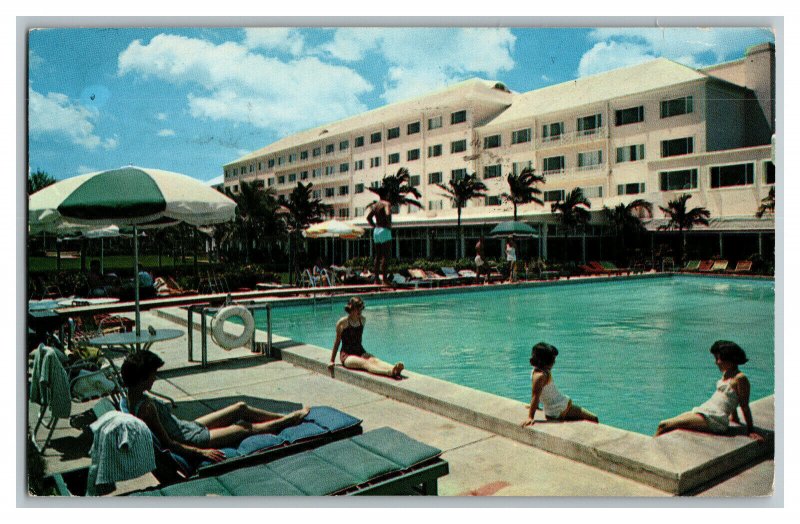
x=546, y=78
x=231, y=82
x=56, y=114
x=694, y=47
x=283, y=39
x=166, y=132
x=161, y=116
x=34, y=61
x=423, y=59
x=82, y=170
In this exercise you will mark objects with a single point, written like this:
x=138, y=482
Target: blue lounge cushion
x=312, y=475
x=196, y=488
x=331, y=419
x=396, y=447
x=258, y=443
x=356, y=460
x=258, y=480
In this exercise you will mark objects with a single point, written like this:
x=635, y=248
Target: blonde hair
x=354, y=302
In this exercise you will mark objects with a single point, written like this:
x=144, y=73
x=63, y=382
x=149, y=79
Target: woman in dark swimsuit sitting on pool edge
x=349, y=330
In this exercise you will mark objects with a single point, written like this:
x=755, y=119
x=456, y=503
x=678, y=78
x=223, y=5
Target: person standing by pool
x=380, y=219
x=349, y=331
x=511, y=258
x=733, y=389
x=479, y=262
x=557, y=406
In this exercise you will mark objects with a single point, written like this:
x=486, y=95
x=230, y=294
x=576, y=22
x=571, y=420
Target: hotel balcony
x=574, y=137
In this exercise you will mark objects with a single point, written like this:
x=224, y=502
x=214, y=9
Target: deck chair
x=719, y=266
x=705, y=266
x=743, y=266
x=423, y=276
x=612, y=267
x=401, y=281
x=383, y=461
x=452, y=274
x=692, y=265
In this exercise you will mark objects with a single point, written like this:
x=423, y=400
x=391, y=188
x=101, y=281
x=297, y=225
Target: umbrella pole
x=102, y=265
x=136, y=281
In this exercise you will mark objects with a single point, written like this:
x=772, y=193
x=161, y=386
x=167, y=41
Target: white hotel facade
x=652, y=131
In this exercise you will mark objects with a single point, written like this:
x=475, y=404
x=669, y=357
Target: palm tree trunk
x=515, y=211
x=459, y=254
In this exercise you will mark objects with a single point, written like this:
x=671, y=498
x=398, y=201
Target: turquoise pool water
x=634, y=351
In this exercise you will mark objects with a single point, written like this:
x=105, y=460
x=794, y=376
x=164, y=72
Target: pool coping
x=678, y=462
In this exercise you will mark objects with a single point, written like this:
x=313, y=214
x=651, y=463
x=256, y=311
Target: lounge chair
x=705, y=266
x=383, y=461
x=692, y=265
x=611, y=267
x=401, y=281
x=743, y=266
x=469, y=275
x=423, y=276
x=719, y=266
x=452, y=274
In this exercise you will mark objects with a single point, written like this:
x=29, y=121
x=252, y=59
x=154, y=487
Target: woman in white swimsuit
x=732, y=391
x=557, y=406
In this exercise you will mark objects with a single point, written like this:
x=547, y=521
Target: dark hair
x=354, y=302
x=729, y=352
x=138, y=366
x=543, y=355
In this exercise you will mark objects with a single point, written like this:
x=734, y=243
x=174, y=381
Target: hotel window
x=330, y=192
x=554, y=195
x=413, y=180
x=293, y=177
x=252, y=167
x=394, y=158
x=259, y=166
x=358, y=165
x=270, y=163
x=359, y=141
x=519, y=167
x=676, y=147
x=316, y=151
x=435, y=122
x=521, y=136
x=435, y=150
x=303, y=155
x=316, y=172
x=678, y=180
x=735, y=175
x=329, y=170
x=411, y=209
x=588, y=125
x=344, y=190
x=303, y=175
x=458, y=117
x=552, y=131
x=412, y=128
x=630, y=153
x=630, y=189
x=374, y=138
x=344, y=212
x=592, y=192
x=458, y=146
x=392, y=133
x=375, y=184
x=435, y=178
x=590, y=159
x=412, y=154
x=553, y=164
x=344, y=168
x=375, y=161
x=490, y=142
x=271, y=182
x=281, y=179
x=492, y=200
x=358, y=188
x=677, y=106
x=492, y=171
x=631, y=115
x=330, y=148
x=317, y=194
x=434, y=204
x=769, y=173
x=236, y=188
x=292, y=158
x=358, y=212
x=344, y=144
x=458, y=174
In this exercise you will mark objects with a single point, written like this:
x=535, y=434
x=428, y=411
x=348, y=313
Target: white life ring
x=225, y=340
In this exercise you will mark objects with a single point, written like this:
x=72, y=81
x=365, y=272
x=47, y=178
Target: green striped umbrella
x=506, y=229
x=128, y=196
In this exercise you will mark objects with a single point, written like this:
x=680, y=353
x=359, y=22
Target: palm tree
x=396, y=188
x=39, y=180
x=460, y=191
x=626, y=220
x=256, y=215
x=522, y=189
x=767, y=206
x=574, y=213
x=682, y=219
x=302, y=210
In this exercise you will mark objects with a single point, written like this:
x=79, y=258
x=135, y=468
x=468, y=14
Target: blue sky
x=191, y=100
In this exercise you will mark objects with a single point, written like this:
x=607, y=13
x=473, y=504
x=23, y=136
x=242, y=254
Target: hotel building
x=652, y=131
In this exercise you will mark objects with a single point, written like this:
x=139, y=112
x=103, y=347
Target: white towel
x=122, y=448
x=49, y=382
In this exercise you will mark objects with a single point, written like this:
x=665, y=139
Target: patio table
x=128, y=341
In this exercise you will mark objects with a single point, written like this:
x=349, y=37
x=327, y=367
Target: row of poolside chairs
x=604, y=268
x=449, y=276
x=717, y=266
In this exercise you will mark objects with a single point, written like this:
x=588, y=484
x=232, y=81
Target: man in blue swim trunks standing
x=380, y=218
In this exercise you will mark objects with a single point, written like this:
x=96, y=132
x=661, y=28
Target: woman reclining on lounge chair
x=200, y=437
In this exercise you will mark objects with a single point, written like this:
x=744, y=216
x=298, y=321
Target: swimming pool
x=633, y=351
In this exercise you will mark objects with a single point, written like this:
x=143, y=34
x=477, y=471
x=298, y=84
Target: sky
x=193, y=99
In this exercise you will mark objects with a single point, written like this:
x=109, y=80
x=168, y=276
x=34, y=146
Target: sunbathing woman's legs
x=373, y=365
x=693, y=421
x=576, y=412
x=234, y=413
x=233, y=434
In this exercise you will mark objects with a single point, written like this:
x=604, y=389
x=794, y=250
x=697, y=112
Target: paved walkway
x=481, y=462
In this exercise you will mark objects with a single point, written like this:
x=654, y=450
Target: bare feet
x=397, y=369
x=299, y=415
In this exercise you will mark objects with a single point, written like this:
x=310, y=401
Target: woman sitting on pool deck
x=557, y=406
x=200, y=437
x=349, y=330
x=733, y=389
